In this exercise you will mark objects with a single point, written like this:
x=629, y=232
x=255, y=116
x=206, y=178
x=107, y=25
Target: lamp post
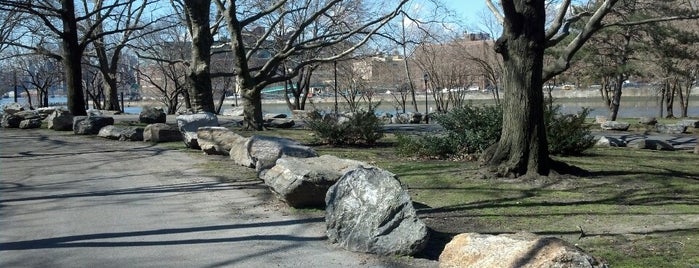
x=426, y=77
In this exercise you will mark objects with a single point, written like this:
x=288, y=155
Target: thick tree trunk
x=616, y=98
x=252, y=106
x=522, y=148
x=71, y=59
x=199, y=75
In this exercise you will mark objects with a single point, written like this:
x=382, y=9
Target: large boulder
x=615, y=125
x=305, y=114
x=513, y=250
x=240, y=153
x=280, y=123
x=152, y=115
x=60, y=120
x=30, y=123
x=25, y=115
x=10, y=120
x=121, y=133
x=90, y=125
x=368, y=210
x=263, y=152
x=651, y=144
x=160, y=132
x=188, y=124
x=646, y=120
x=670, y=128
x=303, y=182
x=610, y=142
x=12, y=108
x=235, y=111
x=44, y=112
x=217, y=140
x=689, y=123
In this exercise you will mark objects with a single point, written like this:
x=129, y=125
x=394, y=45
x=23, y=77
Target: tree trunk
x=72, y=54
x=199, y=75
x=670, y=98
x=616, y=98
x=252, y=106
x=522, y=148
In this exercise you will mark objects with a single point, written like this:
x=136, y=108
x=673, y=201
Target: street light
x=426, y=77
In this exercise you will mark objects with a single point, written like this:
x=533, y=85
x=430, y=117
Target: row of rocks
x=678, y=128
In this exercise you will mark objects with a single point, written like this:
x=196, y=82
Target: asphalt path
x=79, y=201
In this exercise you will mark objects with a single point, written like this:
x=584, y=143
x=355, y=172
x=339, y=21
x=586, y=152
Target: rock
x=121, y=133
x=10, y=120
x=649, y=121
x=30, y=123
x=44, y=112
x=670, y=128
x=650, y=145
x=90, y=125
x=610, y=142
x=303, y=182
x=152, y=115
x=281, y=123
x=188, y=125
x=160, y=132
x=513, y=250
x=25, y=115
x=368, y=210
x=416, y=118
x=217, y=140
x=264, y=151
x=689, y=123
x=600, y=119
x=274, y=116
x=240, y=153
x=60, y=120
x=615, y=125
x=12, y=108
x=235, y=111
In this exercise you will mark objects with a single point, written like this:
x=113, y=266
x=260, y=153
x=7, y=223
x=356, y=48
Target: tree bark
x=199, y=74
x=72, y=54
x=522, y=148
x=615, y=100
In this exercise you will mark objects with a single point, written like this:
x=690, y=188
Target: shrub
x=362, y=127
x=567, y=134
x=425, y=146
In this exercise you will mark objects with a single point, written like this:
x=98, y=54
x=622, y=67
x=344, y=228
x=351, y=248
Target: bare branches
x=495, y=11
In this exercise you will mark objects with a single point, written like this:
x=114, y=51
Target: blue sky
x=469, y=10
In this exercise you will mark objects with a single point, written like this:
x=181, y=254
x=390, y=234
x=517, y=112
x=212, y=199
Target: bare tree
x=345, y=24
x=41, y=74
x=523, y=149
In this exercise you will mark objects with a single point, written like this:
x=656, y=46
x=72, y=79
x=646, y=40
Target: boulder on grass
x=368, y=210
x=152, y=115
x=513, y=250
x=689, y=123
x=60, y=120
x=280, y=123
x=188, y=124
x=12, y=108
x=235, y=111
x=670, y=128
x=650, y=144
x=121, y=133
x=303, y=182
x=615, y=125
x=264, y=151
x=160, y=132
x=44, y=112
x=217, y=140
x=610, y=142
x=90, y=125
x=649, y=121
x=30, y=123
x=26, y=115
x=10, y=120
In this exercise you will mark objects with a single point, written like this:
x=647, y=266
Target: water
x=631, y=107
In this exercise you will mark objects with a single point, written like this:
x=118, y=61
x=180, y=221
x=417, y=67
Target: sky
x=469, y=10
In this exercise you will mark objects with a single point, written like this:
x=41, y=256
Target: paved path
x=78, y=201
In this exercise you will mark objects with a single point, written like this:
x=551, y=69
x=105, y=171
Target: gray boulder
x=60, y=120
x=305, y=114
x=12, y=108
x=263, y=151
x=649, y=121
x=274, y=116
x=240, y=153
x=44, y=112
x=25, y=115
x=600, y=119
x=280, y=123
x=152, y=115
x=188, y=125
x=368, y=210
x=217, y=140
x=90, y=125
x=303, y=182
x=30, y=123
x=121, y=133
x=160, y=132
x=615, y=125
x=650, y=145
x=610, y=142
x=670, y=128
x=514, y=250
x=10, y=120
x=689, y=123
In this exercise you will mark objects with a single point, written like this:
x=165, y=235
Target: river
x=631, y=106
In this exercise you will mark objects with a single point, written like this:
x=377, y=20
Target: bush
x=362, y=127
x=472, y=129
x=567, y=134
